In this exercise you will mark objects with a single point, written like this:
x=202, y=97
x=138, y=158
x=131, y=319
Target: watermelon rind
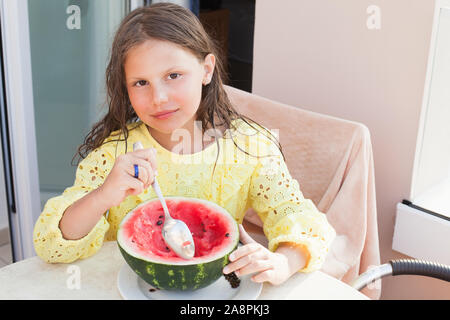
x=183, y=274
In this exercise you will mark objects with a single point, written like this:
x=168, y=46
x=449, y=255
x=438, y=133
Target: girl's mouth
x=165, y=115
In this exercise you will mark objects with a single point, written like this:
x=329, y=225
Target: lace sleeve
x=49, y=243
x=287, y=216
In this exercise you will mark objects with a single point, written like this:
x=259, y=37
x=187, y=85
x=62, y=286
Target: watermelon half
x=215, y=234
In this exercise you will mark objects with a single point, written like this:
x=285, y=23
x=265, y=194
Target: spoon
x=175, y=232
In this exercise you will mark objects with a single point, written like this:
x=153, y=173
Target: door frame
x=18, y=90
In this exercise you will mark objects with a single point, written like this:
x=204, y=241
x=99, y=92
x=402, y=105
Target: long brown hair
x=174, y=23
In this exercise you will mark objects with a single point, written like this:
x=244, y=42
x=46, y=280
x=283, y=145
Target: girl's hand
x=252, y=257
x=121, y=182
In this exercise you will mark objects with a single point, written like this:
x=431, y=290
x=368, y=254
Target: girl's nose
x=159, y=95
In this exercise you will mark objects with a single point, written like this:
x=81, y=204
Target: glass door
x=69, y=42
x=57, y=88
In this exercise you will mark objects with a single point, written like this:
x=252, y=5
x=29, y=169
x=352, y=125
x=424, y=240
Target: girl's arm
x=79, y=219
x=274, y=267
x=288, y=218
x=54, y=244
x=297, y=256
x=77, y=212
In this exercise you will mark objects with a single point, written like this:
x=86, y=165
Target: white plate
x=132, y=287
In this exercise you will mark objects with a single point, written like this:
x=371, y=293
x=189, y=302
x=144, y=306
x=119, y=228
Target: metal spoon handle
x=137, y=146
x=158, y=192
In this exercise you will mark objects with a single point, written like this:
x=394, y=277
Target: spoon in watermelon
x=175, y=232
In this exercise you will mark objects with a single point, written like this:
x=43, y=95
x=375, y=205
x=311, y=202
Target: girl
x=165, y=77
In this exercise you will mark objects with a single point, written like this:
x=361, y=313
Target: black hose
x=420, y=267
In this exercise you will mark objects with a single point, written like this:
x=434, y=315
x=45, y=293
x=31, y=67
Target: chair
x=332, y=160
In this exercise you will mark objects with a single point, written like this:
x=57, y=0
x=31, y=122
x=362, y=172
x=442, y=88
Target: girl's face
x=162, y=76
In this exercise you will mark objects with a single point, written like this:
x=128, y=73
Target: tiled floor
x=5, y=255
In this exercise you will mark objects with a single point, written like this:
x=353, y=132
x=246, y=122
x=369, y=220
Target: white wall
x=320, y=55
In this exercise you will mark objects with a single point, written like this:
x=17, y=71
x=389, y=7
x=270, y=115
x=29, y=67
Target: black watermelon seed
x=227, y=235
x=159, y=222
x=160, y=217
x=167, y=248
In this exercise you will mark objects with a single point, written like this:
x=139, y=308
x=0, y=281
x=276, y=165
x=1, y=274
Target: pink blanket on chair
x=350, y=205
x=333, y=162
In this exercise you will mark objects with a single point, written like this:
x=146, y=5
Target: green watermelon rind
x=177, y=277
x=183, y=276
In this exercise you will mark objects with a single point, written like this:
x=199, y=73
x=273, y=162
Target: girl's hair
x=173, y=23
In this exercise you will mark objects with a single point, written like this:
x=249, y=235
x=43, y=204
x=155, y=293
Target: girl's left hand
x=253, y=257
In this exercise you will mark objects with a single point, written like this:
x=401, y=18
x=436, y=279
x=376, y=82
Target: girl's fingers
x=254, y=266
x=133, y=185
x=245, y=250
x=237, y=265
x=148, y=155
x=144, y=176
x=145, y=170
x=244, y=261
x=263, y=276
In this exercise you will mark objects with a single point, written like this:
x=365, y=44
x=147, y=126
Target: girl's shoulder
x=254, y=136
x=244, y=127
x=116, y=140
x=119, y=134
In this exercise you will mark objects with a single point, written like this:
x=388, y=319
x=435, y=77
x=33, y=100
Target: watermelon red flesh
x=210, y=231
x=215, y=234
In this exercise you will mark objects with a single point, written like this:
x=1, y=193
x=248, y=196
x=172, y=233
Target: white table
x=34, y=279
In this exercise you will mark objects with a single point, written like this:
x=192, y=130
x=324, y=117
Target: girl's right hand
x=121, y=182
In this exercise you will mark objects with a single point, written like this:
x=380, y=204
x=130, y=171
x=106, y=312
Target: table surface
x=35, y=279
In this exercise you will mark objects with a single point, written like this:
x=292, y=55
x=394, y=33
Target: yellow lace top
x=240, y=182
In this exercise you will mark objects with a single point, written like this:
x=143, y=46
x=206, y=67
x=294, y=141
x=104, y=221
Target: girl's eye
x=174, y=76
x=140, y=83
